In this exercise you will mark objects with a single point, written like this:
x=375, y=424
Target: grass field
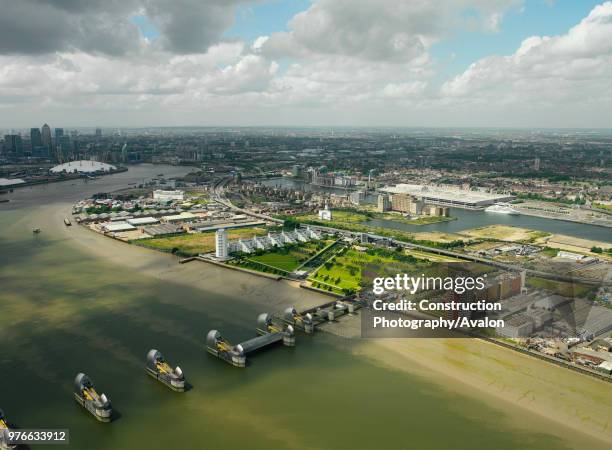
x=338, y=216
x=196, y=243
x=288, y=262
x=354, y=217
x=431, y=256
x=290, y=258
x=345, y=272
x=602, y=206
x=423, y=220
x=576, y=245
x=559, y=287
x=352, y=221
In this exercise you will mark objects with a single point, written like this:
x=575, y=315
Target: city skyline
x=508, y=63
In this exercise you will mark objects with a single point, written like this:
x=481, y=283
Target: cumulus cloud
x=576, y=65
x=368, y=51
x=106, y=26
x=91, y=82
x=338, y=61
x=190, y=26
x=379, y=29
x=35, y=27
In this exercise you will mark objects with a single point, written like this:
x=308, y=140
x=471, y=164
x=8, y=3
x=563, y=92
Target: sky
x=412, y=63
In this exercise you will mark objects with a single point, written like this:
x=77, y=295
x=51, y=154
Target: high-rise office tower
x=46, y=137
x=35, y=138
x=36, y=143
x=59, y=132
x=13, y=145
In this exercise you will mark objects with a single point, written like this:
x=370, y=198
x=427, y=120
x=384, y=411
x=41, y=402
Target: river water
x=74, y=301
x=470, y=219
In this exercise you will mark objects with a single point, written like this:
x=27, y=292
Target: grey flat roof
x=447, y=194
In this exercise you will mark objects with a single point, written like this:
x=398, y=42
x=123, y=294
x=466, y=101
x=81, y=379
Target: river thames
x=71, y=301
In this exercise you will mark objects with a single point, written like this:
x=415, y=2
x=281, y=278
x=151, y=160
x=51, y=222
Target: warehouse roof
x=142, y=221
x=118, y=226
x=163, y=229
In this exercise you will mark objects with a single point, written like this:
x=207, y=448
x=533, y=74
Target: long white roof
x=83, y=166
x=10, y=181
x=444, y=193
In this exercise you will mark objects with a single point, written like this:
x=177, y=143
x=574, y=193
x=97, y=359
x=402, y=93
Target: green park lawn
x=291, y=257
x=195, y=243
x=344, y=272
x=288, y=262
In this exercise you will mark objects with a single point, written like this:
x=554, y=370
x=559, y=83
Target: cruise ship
x=502, y=208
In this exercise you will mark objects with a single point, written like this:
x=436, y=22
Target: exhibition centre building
x=448, y=196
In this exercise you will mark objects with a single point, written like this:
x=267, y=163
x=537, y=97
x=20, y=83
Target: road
x=219, y=197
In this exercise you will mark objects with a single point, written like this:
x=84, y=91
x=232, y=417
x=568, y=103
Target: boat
x=4, y=428
x=86, y=395
x=67, y=222
x=36, y=230
x=158, y=368
x=502, y=208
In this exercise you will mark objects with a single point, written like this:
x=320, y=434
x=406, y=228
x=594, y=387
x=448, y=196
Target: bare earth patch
x=574, y=244
x=505, y=233
x=439, y=236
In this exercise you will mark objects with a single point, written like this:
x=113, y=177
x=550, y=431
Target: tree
x=597, y=249
x=290, y=223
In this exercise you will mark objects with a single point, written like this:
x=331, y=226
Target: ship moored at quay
x=502, y=208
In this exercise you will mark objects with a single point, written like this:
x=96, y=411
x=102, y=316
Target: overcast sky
x=513, y=63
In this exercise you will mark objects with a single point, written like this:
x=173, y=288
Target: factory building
x=505, y=285
x=464, y=298
x=168, y=196
x=517, y=326
x=166, y=229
